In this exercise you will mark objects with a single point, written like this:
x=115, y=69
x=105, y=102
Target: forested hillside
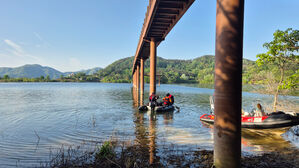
x=199, y=70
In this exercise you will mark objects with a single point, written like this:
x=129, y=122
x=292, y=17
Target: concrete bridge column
x=228, y=83
x=134, y=80
x=137, y=84
x=137, y=78
x=153, y=60
x=141, y=80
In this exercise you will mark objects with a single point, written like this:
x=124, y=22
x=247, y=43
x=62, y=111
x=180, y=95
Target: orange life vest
x=167, y=100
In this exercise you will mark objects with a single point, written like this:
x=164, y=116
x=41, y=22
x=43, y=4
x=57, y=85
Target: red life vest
x=166, y=100
x=153, y=97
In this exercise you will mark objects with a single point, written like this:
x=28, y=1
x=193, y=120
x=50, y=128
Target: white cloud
x=42, y=40
x=13, y=54
x=17, y=50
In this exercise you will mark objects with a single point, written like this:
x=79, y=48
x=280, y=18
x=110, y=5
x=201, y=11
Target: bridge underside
x=161, y=17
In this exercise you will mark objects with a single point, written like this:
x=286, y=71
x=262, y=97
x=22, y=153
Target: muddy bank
x=112, y=155
x=273, y=160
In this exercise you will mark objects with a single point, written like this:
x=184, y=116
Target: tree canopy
x=282, y=56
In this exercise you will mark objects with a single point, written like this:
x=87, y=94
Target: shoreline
x=120, y=154
x=245, y=87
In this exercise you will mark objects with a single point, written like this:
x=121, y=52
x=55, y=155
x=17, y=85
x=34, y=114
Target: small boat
x=157, y=108
x=272, y=120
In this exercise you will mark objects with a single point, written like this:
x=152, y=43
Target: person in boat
x=259, y=111
x=168, y=100
x=153, y=99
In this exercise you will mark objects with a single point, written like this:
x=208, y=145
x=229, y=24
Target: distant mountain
x=35, y=70
x=30, y=71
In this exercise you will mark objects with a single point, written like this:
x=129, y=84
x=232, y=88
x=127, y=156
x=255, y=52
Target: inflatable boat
x=157, y=108
x=272, y=120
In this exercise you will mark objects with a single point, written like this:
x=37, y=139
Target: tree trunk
x=275, y=99
x=277, y=90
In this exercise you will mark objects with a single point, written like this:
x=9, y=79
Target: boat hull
x=274, y=120
x=157, y=108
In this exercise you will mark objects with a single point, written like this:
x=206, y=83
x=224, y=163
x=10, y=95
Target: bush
x=105, y=151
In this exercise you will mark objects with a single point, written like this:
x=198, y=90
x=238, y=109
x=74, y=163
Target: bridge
x=161, y=16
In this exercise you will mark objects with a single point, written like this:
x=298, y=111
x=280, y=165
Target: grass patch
x=105, y=151
x=115, y=154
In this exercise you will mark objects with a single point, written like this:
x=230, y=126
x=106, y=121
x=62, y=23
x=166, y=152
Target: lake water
x=38, y=118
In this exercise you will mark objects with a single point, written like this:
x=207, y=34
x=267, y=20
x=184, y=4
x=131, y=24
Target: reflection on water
x=146, y=134
x=38, y=117
x=265, y=140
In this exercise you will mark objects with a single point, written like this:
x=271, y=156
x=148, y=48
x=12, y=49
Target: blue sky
x=71, y=35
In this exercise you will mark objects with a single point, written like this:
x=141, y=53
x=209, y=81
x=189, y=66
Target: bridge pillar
x=137, y=78
x=153, y=60
x=137, y=85
x=133, y=79
x=228, y=83
x=141, y=80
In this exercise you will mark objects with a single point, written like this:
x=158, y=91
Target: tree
x=6, y=77
x=283, y=54
x=48, y=78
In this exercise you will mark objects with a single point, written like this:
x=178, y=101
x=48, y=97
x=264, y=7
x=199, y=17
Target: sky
x=71, y=35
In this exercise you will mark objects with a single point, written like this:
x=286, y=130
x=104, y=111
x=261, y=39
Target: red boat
x=272, y=120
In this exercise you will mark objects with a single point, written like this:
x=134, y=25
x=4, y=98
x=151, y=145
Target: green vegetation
x=7, y=78
x=105, y=151
x=199, y=70
x=281, y=60
x=79, y=77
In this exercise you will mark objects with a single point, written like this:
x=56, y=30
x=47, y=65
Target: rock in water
x=295, y=130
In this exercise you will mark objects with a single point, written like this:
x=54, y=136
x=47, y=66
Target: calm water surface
x=38, y=118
